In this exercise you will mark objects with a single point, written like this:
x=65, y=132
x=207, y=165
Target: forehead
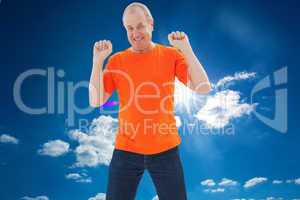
x=134, y=17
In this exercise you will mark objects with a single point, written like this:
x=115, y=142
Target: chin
x=138, y=47
x=141, y=46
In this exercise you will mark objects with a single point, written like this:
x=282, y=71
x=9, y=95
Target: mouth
x=138, y=39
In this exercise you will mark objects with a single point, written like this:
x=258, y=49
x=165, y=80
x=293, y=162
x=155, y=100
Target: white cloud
x=243, y=199
x=274, y=198
x=208, y=182
x=97, y=144
x=297, y=181
x=54, y=148
x=268, y=198
x=222, y=107
x=289, y=181
x=35, y=198
x=216, y=190
x=254, y=181
x=99, y=196
x=277, y=182
x=178, y=121
x=79, y=178
x=236, y=77
x=227, y=182
x=155, y=198
x=4, y=138
x=182, y=94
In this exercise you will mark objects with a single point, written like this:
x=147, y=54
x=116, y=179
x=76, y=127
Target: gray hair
x=133, y=6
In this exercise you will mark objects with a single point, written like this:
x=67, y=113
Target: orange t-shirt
x=145, y=86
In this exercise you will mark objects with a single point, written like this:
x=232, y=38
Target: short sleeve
x=181, y=67
x=108, y=74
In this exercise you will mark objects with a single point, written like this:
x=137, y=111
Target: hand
x=102, y=49
x=179, y=40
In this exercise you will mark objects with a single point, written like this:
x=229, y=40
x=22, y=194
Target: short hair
x=133, y=6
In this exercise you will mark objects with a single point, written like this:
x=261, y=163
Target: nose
x=136, y=33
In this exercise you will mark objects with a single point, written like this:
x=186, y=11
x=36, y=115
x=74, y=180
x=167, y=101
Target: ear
x=152, y=24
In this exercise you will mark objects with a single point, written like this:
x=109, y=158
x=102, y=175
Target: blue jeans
x=126, y=170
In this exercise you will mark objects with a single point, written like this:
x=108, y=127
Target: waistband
x=169, y=151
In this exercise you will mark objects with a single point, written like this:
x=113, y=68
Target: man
x=143, y=76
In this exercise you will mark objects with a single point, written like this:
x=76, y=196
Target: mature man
x=144, y=75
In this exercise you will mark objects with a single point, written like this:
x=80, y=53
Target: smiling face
x=139, y=29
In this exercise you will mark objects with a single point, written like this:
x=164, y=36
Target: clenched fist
x=102, y=49
x=179, y=40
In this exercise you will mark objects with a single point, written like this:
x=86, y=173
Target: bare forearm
x=101, y=51
x=199, y=78
x=96, y=89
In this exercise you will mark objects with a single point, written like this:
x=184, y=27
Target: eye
x=140, y=26
x=129, y=28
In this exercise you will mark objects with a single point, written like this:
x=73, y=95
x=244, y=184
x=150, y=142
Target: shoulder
x=165, y=47
x=113, y=61
x=115, y=56
x=168, y=50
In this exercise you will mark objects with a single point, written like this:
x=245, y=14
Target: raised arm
x=199, y=81
x=97, y=96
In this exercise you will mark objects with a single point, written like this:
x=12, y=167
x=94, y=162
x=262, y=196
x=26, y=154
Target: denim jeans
x=126, y=170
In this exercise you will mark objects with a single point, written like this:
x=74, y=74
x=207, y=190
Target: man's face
x=139, y=29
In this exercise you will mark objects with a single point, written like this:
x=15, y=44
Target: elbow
x=207, y=89
x=203, y=88
x=94, y=103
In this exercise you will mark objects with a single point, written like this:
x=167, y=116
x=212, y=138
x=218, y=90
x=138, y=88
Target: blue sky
x=238, y=42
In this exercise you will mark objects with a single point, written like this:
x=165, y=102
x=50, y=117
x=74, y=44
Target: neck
x=149, y=48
